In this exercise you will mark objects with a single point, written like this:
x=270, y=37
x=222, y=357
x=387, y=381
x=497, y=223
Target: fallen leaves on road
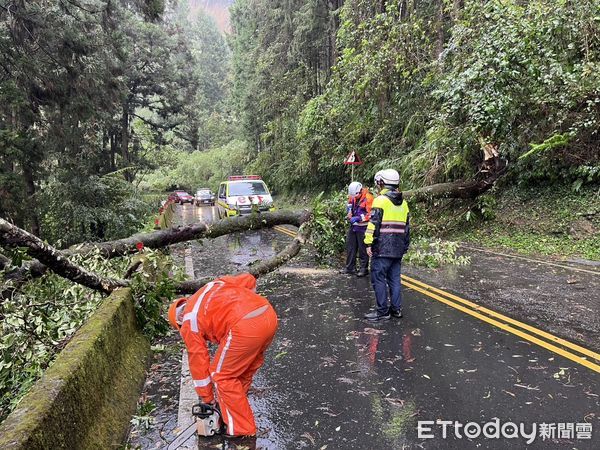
x=529, y=388
x=365, y=393
x=395, y=401
x=346, y=380
x=328, y=412
x=280, y=354
x=309, y=437
x=368, y=330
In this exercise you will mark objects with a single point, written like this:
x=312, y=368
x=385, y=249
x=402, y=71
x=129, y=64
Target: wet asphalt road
x=332, y=380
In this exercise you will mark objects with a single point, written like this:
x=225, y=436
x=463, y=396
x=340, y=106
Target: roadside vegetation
x=36, y=324
x=544, y=221
x=105, y=108
x=92, y=99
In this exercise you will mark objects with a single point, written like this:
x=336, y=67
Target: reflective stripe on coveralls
x=243, y=323
x=252, y=314
x=193, y=316
x=202, y=383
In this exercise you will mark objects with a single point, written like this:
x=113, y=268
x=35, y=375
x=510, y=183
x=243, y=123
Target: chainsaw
x=207, y=423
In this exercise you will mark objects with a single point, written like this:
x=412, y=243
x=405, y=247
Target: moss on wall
x=87, y=396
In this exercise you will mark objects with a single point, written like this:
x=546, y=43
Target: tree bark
x=50, y=258
x=459, y=189
x=12, y=235
x=125, y=140
x=170, y=236
x=468, y=189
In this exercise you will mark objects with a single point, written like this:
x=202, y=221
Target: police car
x=242, y=194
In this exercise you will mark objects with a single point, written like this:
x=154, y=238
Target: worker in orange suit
x=228, y=312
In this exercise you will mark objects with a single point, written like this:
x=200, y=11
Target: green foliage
x=556, y=141
x=200, y=168
x=96, y=90
x=523, y=73
x=142, y=420
x=421, y=89
x=38, y=321
x=153, y=287
x=483, y=208
x=434, y=253
x=545, y=220
x=329, y=226
x=91, y=208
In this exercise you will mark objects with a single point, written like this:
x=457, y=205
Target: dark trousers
x=385, y=277
x=355, y=243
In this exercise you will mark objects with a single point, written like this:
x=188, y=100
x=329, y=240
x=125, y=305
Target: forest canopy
x=102, y=101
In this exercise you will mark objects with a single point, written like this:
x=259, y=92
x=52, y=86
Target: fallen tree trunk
x=12, y=235
x=58, y=262
x=459, y=189
x=164, y=238
x=157, y=239
x=170, y=236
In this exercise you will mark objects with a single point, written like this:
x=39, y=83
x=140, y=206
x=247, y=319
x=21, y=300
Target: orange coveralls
x=228, y=312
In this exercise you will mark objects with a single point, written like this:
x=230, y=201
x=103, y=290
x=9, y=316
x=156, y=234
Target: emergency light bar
x=244, y=177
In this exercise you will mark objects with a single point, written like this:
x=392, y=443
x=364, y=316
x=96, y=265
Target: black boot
x=375, y=316
x=397, y=314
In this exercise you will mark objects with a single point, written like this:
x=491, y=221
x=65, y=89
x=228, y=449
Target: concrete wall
x=87, y=396
x=165, y=218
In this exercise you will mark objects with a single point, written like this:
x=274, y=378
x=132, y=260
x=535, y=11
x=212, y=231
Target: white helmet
x=354, y=188
x=387, y=176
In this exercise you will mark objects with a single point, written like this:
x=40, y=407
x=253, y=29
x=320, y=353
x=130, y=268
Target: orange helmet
x=173, y=311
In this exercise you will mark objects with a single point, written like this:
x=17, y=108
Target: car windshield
x=181, y=193
x=247, y=188
x=203, y=192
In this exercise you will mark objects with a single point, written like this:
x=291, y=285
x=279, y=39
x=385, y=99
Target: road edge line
x=510, y=320
x=503, y=326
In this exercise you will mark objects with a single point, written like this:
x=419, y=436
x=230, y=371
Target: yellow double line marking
x=284, y=230
x=569, y=350
x=508, y=324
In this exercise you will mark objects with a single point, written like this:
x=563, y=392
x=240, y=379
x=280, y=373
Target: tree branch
x=261, y=268
x=12, y=235
x=170, y=236
x=49, y=257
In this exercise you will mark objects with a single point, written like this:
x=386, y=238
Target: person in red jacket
x=228, y=312
x=358, y=208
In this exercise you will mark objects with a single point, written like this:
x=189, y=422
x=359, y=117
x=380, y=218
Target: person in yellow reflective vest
x=387, y=239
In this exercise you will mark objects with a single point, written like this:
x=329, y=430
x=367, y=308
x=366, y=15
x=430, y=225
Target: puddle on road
x=333, y=381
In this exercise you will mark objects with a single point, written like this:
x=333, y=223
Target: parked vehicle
x=243, y=194
x=181, y=197
x=204, y=196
